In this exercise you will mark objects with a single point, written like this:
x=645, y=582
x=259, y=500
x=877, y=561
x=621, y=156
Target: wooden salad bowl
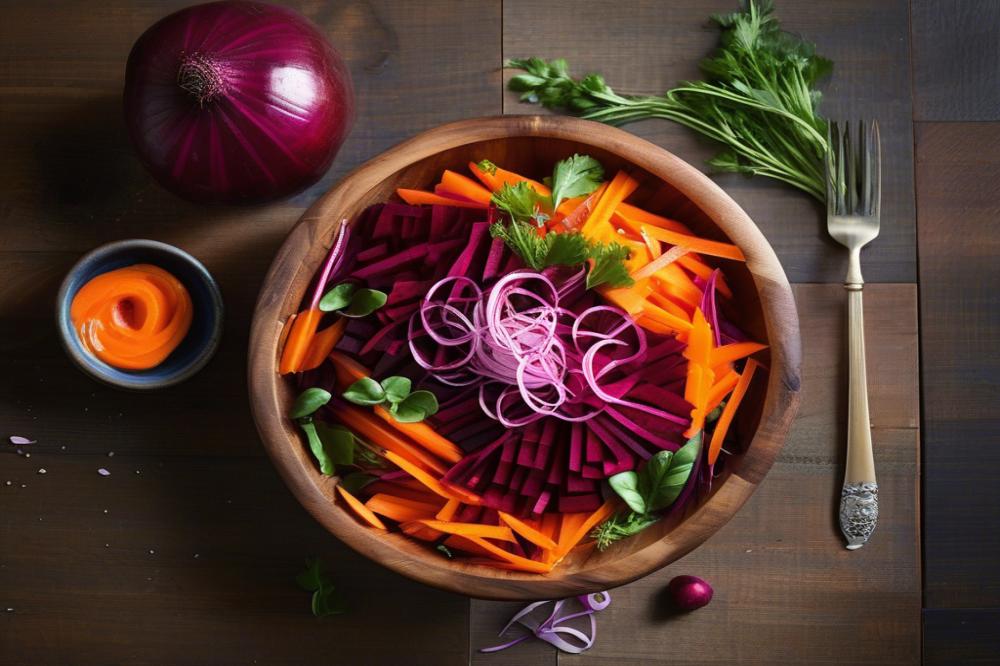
x=762, y=305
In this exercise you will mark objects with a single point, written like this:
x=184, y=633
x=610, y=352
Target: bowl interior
x=532, y=155
x=194, y=350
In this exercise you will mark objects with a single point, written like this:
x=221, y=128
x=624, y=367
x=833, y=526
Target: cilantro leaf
x=524, y=240
x=565, y=249
x=521, y=202
x=609, y=266
x=574, y=177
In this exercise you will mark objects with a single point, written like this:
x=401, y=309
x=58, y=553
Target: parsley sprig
x=758, y=99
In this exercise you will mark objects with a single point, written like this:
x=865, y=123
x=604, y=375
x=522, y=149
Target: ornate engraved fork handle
x=859, y=498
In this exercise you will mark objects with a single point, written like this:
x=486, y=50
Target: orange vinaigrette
x=132, y=318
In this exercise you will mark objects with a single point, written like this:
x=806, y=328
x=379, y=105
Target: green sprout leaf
x=365, y=391
x=326, y=600
x=355, y=481
x=308, y=402
x=396, y=388
x=337, y=298
x=364, y=302
x=416, y=407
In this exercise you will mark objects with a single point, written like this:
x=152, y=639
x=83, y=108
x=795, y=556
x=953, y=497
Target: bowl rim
x=315, y=491
x=94, y=370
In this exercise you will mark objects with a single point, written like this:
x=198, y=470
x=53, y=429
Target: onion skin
x=236, y=102
x=690, y=592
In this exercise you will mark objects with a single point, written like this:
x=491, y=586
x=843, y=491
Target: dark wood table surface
x=186, y=553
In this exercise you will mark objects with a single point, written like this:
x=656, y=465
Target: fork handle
x=859, y=497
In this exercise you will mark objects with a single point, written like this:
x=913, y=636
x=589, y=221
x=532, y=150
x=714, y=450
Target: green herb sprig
x=648, y=491
x=334, y=446
x=759, y=99
x=326, y=600
x=406, y=406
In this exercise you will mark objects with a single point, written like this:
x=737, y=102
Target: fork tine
x=876, y=171
x=853, y=156
x=865, y=156
x=830, y=166
x=841, y=167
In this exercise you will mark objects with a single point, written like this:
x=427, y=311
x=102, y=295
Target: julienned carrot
x=419, y=494
x=496, y=179
x=660, y=316
x=699, y=347
x=699, y=376
x=644, y=216
x=434, y=485
x=348, y=371
x=449, y=509
x=579, y=212
x=285, y=330
x=734, y=352
x=670, y=306
x=720, y=389
x=515, y=561
x=700, y=245
x=360, y=509
x=456, y=542
x=425, y=436
x=401, y=509
x=322, y=344
x=722, y=427
x=374, y=431
x=418, y=197
x=299, y=338
x=676, y=282
x=619, y=189
x=418, y=530
x=464, y=186
x=593, y=520
x=528, y=532
x=498, y=532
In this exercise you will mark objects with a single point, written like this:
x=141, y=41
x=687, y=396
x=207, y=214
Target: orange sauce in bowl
x=133, y=317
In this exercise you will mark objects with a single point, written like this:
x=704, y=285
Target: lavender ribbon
x=550, y=629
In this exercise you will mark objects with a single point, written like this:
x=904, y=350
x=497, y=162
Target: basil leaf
x=651, y=476
x=337, y=298
x=364, y=302
x=328, y=601
x=355, y=481
x=396, y=388
x=308, y=402
x=337, y=446
x=365, y=391
x=416, y=407
x=672, y=480
x=626, y=484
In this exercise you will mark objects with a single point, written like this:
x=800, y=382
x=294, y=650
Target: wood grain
x=764, y=310
x=786, y=589
x=957, y=168
x=69, y=181
x=961, y=636
x=955, y=66
x=651, y=46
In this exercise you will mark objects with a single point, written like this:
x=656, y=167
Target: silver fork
x=853, y=191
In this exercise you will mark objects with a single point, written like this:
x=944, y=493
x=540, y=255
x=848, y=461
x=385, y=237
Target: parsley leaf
x=609, y=266
x=524, y=240
x=574, y=177
x=759, y=99
x=565, y=249
x=521, y=202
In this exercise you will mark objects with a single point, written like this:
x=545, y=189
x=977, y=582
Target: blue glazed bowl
x=206, y=325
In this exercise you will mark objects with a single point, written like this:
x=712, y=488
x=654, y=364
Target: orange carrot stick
x=449, y=509
x=418, y=197
x=720, y=389
x=722, y=427
x=620, y=187
x=398, y=489
x=670, y=306
x=515, y=561
x=734, y=351
x=322, y=344
x=365, y=427
x=639, y=215
x=527, y=531
x=603, y=513
x=298, y=341
x=701, y=245
x=463, y=186
x=498, y=532
x=360, y=509
x=434, y=485
x=400, y=509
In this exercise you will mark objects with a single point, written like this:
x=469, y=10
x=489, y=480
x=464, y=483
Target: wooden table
x=186, y=553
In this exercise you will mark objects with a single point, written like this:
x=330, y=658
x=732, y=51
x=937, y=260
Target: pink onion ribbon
x=521, y=342
x=550, y=629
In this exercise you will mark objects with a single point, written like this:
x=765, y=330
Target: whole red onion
x=690, y=592
x=236, y=102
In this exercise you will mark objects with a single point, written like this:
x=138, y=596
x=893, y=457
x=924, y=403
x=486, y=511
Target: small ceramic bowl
x=194, y=351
